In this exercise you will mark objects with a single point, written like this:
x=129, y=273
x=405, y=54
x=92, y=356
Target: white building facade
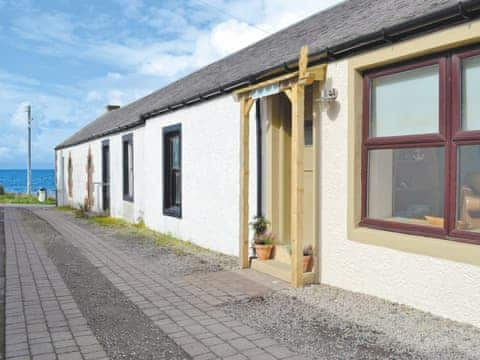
x=433, y=274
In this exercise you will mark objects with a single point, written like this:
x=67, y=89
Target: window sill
x=128, y=198
x=436, y=246
x=175, y=212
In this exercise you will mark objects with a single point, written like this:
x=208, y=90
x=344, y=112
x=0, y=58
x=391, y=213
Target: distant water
x=15, y=181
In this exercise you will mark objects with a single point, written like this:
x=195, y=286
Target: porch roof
x=349, y=23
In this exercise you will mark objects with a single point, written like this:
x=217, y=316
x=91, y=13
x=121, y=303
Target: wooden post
x=316, y=184
x=245, y=106
x=297, y=97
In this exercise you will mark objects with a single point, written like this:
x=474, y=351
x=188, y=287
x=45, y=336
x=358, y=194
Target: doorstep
x=279, y=269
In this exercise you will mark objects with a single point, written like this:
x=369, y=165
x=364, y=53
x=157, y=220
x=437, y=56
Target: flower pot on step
x=263, y=251
x=307, y=263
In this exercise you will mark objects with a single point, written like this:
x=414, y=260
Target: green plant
x=267, y=238
x=2, y=190
x=9, y=198
x=259, y=225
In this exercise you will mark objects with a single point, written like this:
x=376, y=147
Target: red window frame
x=449, y=137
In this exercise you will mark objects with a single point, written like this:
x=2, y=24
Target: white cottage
x=364, y=145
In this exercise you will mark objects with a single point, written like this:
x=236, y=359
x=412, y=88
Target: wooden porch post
x=297, y=97
x=245, y=106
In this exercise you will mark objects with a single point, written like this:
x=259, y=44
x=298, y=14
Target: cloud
x=127, y=51
x=45, y=28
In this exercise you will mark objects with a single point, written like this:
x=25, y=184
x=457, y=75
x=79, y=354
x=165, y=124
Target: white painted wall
x=443, y=287
x=119, y=208
x=210, y=174
x=79, y=155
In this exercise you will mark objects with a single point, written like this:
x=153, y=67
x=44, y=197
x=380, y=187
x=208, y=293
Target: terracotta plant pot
x=307, y=263
x=263, y=251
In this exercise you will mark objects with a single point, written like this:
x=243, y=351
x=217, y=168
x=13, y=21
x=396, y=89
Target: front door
x=106, y=176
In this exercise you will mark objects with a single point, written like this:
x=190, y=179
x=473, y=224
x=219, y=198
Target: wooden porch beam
x=245, y=107
x=297, y=97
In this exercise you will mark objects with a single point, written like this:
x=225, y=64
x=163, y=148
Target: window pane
x=177, y=184
x=406, y=185
x=175, y=149
x=130, y=169
x=308, y=132
x=126, y=169
x=406, y=103
x=468, y=188
x=471, y=94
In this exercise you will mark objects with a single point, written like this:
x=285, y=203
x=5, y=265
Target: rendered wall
x=119, y=208
x=434, y=284
x=79, y=156
x=210, y=174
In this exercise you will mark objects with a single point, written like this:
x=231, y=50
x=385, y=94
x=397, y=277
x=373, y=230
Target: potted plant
x=264, y=245
x=262, y=241
x=307, y=258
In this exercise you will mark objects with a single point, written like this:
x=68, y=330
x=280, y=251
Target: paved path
x=42, y=320
x=40, y=306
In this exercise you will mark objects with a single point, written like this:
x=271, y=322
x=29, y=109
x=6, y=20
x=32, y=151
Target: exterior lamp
x=327, y=97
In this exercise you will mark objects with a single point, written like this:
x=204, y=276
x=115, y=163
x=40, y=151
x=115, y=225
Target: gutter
x=454, y=15
x=459, y=13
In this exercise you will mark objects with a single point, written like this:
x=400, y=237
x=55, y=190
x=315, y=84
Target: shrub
x=2, y=190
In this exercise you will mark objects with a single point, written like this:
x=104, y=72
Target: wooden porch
x=293, y=86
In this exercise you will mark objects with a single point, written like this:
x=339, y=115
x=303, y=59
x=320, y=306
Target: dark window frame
x=449, y=137
x=127, y=140
x=170, y=209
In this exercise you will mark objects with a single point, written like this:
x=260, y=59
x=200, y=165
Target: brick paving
x=43, y=321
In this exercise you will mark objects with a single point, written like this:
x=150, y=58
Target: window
x=421, y=148
x=127, y=150
x=172, y=171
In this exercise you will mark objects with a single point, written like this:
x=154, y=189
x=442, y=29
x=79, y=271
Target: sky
x=69, y=59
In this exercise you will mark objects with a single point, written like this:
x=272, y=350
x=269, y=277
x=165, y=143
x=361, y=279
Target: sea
x=15, y=181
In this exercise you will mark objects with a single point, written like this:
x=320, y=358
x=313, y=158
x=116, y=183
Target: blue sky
x=69, y=59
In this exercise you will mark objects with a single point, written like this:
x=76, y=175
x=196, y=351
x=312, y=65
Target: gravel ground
x=171, y=263
x=123, y=330
x=329, y=323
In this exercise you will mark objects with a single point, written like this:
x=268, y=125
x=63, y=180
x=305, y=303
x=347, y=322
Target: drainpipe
x=259, y=157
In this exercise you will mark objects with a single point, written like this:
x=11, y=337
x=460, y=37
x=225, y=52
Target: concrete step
x=280, y=270
x=274, y=268
x=282, y=253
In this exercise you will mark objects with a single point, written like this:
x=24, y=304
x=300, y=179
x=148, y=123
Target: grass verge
x=178, y=246
x=23, y=199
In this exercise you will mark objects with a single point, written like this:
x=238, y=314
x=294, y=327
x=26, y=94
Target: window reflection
x=407, y=185
x=468, y=185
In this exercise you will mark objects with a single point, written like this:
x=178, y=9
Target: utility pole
x=29, y=159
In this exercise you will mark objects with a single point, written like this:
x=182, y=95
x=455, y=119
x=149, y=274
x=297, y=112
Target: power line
x=222, y=11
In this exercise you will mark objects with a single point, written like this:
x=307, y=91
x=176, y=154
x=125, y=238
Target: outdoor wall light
x=327, y=97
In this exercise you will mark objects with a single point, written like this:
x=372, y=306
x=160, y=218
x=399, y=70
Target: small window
x=127, y=143
x=172, y=167
x=308, y=132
